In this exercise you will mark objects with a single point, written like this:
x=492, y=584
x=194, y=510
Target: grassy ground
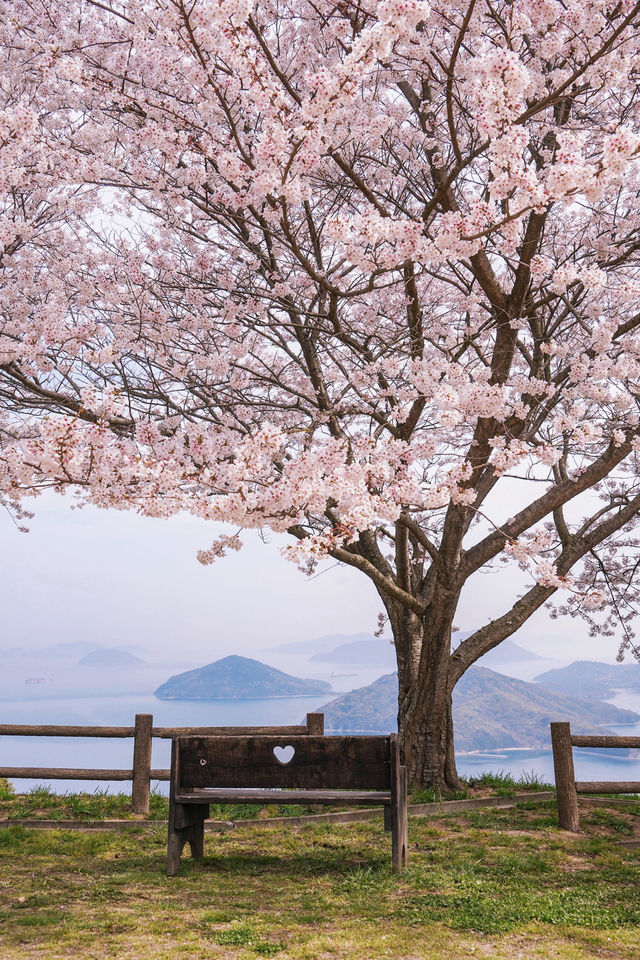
x=41, y=803
x=487, y=883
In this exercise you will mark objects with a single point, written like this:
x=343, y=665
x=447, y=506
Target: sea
x=39, y=704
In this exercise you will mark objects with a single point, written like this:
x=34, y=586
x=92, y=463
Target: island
x=109, y=657
x=490, y=711
x=371, y=652
x=238, y=678
x=591, y=678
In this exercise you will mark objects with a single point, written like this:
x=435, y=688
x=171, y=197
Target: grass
x=504, y=785
x=498, y=783
x=497, y=883
x=40, y=803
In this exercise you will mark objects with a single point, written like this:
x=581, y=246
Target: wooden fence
x=143, y=733
x=567, y=789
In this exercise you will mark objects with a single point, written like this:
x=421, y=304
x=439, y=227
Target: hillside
x=237, y=678
x=490, y=711
x=592, y=679
x=370, y=652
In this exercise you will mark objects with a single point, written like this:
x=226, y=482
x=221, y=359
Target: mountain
x=371, y=709
x=363, y=649
x=319, y=644
x=109, y=657
x=490, y=711
x=493, y=710
x=237, y=678
x=67, y=651
x=369, y=652
x=590, y=678
x=508, y=652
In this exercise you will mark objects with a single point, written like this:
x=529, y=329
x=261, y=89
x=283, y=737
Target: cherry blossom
x=367, y=274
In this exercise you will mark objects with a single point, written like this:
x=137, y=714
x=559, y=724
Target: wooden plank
x=447, y=806
x=335, y=797
x=349, y=763
x=315, y=724
x=594, y=786
x=59, y=773
x=568, y=816
x=87, y=825
x=55, y=730
x=169, y=733
x=605, y=741
x=165, y=733
x=351, y=816
x=360, y=815
x=589, y=801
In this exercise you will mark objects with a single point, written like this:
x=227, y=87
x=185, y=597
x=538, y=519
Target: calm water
x=588, y=764
x=121, y=710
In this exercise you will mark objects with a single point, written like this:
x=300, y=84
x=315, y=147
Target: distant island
x=590, y=678
x=369, y=651
x=109, y=657
x=508, y=652
x=490, y=711
x=305, y=648
x=238, y=678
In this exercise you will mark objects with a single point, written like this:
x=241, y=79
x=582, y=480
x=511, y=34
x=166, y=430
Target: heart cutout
x=284, y=755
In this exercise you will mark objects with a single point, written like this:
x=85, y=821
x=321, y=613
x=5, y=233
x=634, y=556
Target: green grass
x=497, y=883
x=6, y=789
x=616, y=822
x=435, y=795
x=504, y=785
x=40, y=803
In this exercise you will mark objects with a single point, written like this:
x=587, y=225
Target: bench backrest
x=312, y=763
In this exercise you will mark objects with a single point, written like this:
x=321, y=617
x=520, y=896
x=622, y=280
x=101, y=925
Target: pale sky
x=117, y=578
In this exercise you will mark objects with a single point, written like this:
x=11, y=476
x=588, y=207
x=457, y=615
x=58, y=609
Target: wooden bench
x=277, y=769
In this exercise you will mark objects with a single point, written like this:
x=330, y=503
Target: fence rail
x=143, y=733
x=567, y=788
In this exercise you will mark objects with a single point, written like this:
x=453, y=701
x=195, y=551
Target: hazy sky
x=115, y=578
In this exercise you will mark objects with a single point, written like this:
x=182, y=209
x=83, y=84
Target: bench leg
x=196, y=839
x=174, y=848
x=186, y=825
x=399, y=832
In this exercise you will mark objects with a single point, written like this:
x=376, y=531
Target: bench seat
x=213, y=795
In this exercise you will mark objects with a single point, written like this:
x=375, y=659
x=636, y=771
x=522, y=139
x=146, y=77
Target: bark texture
x=425, y=684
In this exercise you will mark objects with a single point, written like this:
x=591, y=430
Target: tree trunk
x=426, y=733
x=425, y=723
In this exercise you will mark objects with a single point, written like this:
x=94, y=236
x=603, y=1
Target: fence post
x=141, y=763
x=566, y=795
x=315, y=724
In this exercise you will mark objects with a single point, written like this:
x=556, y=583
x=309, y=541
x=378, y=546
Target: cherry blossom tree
x=367, y=273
